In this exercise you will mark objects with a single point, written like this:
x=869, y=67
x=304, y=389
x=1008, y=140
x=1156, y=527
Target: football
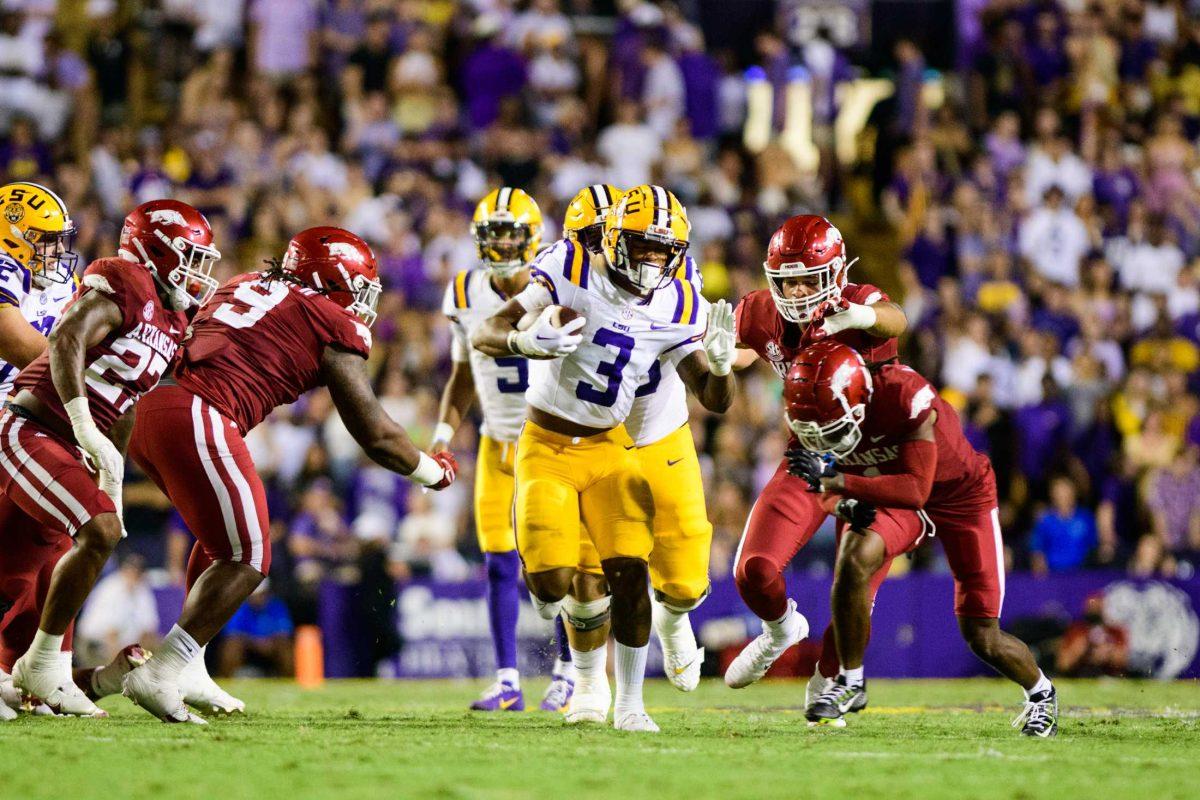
x=560, y=316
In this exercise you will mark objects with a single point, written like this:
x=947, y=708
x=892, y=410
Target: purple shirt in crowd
x=490, y=74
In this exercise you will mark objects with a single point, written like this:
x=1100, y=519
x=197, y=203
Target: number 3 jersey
x=258, y=344
x=130, y=360
x=40, y=307
x=500, y=383
x=623, y=338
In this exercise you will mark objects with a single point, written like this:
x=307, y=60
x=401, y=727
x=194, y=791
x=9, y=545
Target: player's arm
x=708, y=372
x=457, y=398
x=908, y=488
x=884, y=319
x=744, y=357
x=122, y=429
x=383, y=440
x=498, y=335
x=20, y=342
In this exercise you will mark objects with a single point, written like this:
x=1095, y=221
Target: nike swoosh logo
x=505, y=705
x=877, y=438
x=671, y=463
x=654, y=327
x=630, y=446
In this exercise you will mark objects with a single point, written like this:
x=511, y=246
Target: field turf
x=367, y=739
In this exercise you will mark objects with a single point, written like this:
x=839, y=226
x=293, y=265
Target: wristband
x=444, y=432
x=512, y=343
x=428, y=471
x=79, y=412
x=870, y=317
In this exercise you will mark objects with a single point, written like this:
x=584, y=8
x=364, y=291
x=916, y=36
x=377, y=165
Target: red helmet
x=826, y=391
x=173, y=240
x=337, y=264
x=808, y=247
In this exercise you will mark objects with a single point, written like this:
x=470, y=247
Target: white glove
x=98, y=449
x=543, y=340
x=719, y=340
x=843, y=316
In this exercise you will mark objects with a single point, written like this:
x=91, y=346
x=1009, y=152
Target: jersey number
x=257, y=297
x=150, y=364
x=610, y=369
x=507, y=385
x=653, y=378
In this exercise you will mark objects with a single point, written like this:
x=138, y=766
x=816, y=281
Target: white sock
x=590, y=667
x=674, y=628
x=631, y=672
x=176, y=651
x=65, y=660
x=1043, y=685
x=854, y=677
x=780, y=628
x=564, y=669
x=45, y=649
x=510, y=676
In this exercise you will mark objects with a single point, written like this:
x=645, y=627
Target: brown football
x=561, y=316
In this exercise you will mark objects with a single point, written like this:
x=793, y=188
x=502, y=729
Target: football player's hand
x=835, y=316
x=856, y=513
x=809, y=466
x=98, y=449
x=719, y=339
x=543, y=340
x=449, y=469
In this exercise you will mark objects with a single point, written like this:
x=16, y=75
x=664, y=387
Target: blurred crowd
x=1036, y=211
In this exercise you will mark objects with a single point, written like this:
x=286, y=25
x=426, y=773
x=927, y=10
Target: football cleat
x=102, y=681
x=9, y=696
x=838, y=700
x=683, y=669
x=758, y=656
x=635, y=721
x=589, y=705
x=1040, y=716
x=558, y=695
x=7, y=714
x=816, y=685
x=202, y=693
x=500, y=697
x=159, y=696
x=53, y=687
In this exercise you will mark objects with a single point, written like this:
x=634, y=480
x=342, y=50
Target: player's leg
x=616, y=509
x=974, y=550
x=782, y=520
x=43, y=476
x=679, y=560
x=864, y=557
x=587, y=612
x=557, y=696
x=497, y=541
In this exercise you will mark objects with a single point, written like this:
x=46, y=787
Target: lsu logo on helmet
x=38, y=232
x=508, y=229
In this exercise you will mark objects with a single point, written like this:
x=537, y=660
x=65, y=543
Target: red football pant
x=199, y=460
x=974, y=547
x=28, y=561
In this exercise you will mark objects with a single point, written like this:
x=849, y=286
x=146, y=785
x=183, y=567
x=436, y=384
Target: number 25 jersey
x=258, y=344
x=622, y=340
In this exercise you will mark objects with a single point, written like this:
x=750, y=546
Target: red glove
x=826, y=309
x=446, y=459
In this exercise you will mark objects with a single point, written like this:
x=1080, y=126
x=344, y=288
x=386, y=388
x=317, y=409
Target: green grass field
x=919, y=739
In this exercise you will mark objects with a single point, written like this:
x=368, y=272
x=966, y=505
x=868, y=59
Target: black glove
x=856, y=513
x=810, y=466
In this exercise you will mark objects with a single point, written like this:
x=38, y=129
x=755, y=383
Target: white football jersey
x=623, y=339
x=500, y=383
x=40, y=307
x=660, y=404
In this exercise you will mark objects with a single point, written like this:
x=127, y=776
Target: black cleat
x=838, y=700
x=1040, y=716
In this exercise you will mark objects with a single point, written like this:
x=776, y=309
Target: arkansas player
x=265, y=339
x=809, y=299
x=898, y=445
x=111, y=346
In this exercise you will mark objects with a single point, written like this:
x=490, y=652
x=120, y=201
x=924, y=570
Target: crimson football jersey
x=901, y=402
x=258, y=344
x=777, y=341
x=130, y=360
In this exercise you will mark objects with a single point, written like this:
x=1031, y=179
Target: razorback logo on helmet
x=833, y=237
x=345, y=250
x=167, y=216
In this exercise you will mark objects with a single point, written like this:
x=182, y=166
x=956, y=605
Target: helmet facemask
x=366, y=294
x=190, y=283
x=633, y=264
x=837, y=438
x=54, y=260
x=590, y=237
x=503, y=245
x=826, y=282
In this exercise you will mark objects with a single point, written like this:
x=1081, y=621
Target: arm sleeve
x=908, y=488
x=345, y=331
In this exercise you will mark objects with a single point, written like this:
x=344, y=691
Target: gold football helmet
x=508, y=229
x=38, y=232
x=586, y=213
x=645, y=238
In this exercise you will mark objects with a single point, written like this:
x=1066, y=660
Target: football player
x=265, y=339
x=113, y=343
x=809, y=298
x=508, y=229
x=601, y=323
x=658, y=424
x=895, y=444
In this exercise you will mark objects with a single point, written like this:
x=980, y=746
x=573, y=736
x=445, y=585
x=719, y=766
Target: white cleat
x=202, y=693
x=589, y=705
x=758, y=656
x=817, y=685
x=10, y=698
x=53, y=687
x=635, y=721
x=160, y=697
x=7, y=714
x=683, y=669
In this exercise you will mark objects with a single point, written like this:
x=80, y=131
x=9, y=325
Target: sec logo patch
x=148, y=310
x=773, y=351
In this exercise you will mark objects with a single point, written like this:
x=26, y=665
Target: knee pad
x=546, y=610
x=587, y=616
x=758, y=571
x=680, y=606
